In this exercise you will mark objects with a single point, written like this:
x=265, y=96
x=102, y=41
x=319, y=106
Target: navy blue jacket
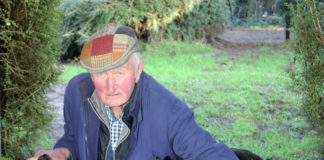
x=163, y=126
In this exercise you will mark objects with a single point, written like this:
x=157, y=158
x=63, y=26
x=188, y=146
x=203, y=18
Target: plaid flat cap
x=109, y=48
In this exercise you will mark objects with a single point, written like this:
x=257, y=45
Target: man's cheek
x=100, y=91
x=99, y=86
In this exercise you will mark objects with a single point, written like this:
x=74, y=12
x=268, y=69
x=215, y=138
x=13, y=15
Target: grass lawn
x=247, y=103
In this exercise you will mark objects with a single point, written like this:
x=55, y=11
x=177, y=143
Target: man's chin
x=114, y=104
x=114, y=101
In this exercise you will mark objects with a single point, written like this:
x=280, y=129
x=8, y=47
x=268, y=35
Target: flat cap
x=109, y=48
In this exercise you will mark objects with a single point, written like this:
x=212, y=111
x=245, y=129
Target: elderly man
x=117, y=111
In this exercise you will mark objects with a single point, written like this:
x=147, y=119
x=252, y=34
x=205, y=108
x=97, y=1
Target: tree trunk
x=231, y=8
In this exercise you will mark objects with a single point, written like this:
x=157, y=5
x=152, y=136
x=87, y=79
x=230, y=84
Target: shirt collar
x=111, y=115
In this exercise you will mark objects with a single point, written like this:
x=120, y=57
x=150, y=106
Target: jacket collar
x=136, y=107
x=99, y=107
x=87, y=90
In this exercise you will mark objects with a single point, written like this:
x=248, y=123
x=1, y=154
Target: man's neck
x=118, y=110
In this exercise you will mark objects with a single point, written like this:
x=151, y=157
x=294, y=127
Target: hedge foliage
x=256, y=12
x=29, y=48
x=208, y=18
x=151, y=19
x=309, y=49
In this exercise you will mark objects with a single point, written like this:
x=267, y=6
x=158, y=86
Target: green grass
x=249, y=103
x=43, y=142
x=69, y=71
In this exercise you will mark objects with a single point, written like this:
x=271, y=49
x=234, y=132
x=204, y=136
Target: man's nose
x=111, y=84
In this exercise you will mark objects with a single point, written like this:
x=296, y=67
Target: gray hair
x=136, y=59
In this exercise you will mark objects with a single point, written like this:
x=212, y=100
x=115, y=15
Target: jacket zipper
x=121, y=140
x=85, y=132
x=91, y=104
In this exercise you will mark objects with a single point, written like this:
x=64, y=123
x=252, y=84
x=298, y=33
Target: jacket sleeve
x=67, y=140
x=190, y=141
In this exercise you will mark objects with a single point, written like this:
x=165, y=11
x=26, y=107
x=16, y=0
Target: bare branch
x=4, y=54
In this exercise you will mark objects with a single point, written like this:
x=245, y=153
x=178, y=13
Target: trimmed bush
x=151, y=19
x=309, y=49
x=29, y=48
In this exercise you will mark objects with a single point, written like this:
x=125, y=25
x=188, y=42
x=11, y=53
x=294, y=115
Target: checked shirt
x=116, y=126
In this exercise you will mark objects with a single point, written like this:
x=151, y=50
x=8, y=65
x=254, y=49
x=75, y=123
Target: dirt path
x=266, y=36
x=235, y=42
x=56, y=100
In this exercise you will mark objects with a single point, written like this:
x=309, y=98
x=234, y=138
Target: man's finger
x=39, y=153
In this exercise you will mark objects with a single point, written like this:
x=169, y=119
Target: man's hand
x=243, y=154
x=56, y=154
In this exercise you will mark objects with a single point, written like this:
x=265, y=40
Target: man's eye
x=100, y=74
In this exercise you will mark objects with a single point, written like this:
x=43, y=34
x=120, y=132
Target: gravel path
x=55, y=98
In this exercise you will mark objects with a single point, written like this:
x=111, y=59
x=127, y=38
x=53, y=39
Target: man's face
x=115, y=86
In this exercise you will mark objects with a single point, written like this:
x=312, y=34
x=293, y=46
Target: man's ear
x=139, y=70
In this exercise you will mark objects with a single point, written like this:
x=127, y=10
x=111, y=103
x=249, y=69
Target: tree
x=29, y=47
x=283, y=6
x=309, y=49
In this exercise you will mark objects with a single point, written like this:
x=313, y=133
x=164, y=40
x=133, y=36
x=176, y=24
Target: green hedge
x=151, y=19
x=256, y=12
x=208, y=18
x=29, y=48
x=309, y=50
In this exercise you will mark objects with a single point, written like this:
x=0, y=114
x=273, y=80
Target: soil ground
x=235, y=42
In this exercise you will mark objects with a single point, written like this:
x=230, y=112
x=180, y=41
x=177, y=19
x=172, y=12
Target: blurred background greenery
x=269, y=100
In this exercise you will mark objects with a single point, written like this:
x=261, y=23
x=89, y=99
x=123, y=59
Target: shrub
x=151, y=19
x=209, y=18
x=309, y=48
x=29, y=47
x=255, y=12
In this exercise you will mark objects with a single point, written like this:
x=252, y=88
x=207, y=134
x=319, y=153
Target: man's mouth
x=111, y=95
